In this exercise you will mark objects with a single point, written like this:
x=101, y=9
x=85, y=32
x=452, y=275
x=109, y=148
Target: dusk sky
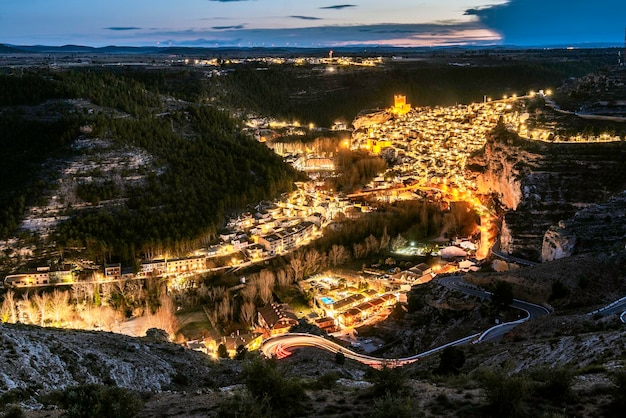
x=313, y=23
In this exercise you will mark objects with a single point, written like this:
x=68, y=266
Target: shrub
x=388, y=380
x=391, y=406
x=559, y=291
x=326, y=381
x=505, y=394
x=13, y=411
x=451, y=360
x=14, y=396
x=242, y=405
x=554, y=383
x=96, y=401
x=284, y=395
x=618, y=401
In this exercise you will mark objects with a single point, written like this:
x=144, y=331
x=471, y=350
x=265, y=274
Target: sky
x=312, y=23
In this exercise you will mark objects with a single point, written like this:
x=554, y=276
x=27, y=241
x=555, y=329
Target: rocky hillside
x=596, y=227
x=540, y=184
x=44, y=359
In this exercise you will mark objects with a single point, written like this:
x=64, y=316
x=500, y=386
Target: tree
x=297, y=265
x=41, y=301
x=99, y=402
x=372, y=246
x=241, y=352
x=392, y=380
x=165, y=317
x=502, y=295
x=246, y=313
x=313, y=261
x=60, y=307
x=340, y=358
x=9, y=308
x=337, y=255
x=27, y=310
x=398, y=242
x=222, y=351
x=451, y=360
x=384, y=240
x=265, y=286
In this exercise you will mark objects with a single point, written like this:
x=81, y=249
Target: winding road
x=280, y=346
x=617, y=307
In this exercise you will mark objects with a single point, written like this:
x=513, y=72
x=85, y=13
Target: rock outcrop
x=540, y=184
x=597, y=227
x=367, y=118
x=48, y=359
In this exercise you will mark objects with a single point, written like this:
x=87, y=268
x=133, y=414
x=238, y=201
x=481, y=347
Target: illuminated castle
x=400, y=106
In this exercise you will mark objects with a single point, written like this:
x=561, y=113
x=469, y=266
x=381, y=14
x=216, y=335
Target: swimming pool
x=327, y=301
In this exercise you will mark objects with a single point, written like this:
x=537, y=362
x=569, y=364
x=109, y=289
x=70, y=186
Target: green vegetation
x=277, y=395
x=218, y=171
x=388, y=381
x=506, y=395
x=451, y=360
x=26, y=145
x=96, y=401
x=356, y=169
x=340, y=358
x=391, y=406
x=311, y=94
x=502, y=295
x=196, y=178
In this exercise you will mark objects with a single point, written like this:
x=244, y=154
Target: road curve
x=617, y=307
x=496, y=332
x=280, y=346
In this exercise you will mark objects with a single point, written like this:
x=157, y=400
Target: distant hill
x=4, y=49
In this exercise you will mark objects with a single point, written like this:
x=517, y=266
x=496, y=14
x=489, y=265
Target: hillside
x=98, y=162
x=566, y=363
x=540, y=183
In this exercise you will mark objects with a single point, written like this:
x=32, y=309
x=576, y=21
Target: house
x=250, y=340
x=276, y=318
x=154, y=268
x=273, y=243
x=185, y=265
x=255, y=251
x=421, y=269
x=42, y=276
x=327, y=324
x=35, y=278
x=112, y=271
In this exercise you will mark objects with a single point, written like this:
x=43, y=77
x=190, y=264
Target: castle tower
x=400, y=106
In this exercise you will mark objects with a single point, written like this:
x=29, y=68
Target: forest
x=206, y=167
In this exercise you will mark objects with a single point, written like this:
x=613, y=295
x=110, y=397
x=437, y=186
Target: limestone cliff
x=48, y=359
x=367, y=118
x=540, y=184
x=597, y=227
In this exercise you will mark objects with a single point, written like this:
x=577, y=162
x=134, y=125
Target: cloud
x=452, y=33
x=306, y=17
x=338, y=6
x=228, y=27
x=122, y=28
x=557, y=22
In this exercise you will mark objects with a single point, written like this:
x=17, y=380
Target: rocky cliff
x=540, y=184
x=43, y=359
x=598, y=227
